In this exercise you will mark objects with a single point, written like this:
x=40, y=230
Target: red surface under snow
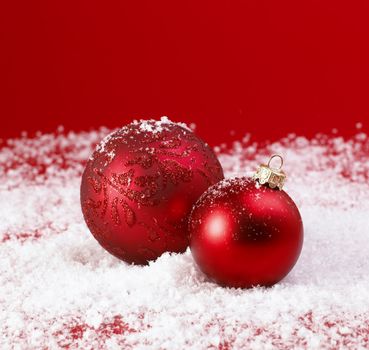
x=61, y=289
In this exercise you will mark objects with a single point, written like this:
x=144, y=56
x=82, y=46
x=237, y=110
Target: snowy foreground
x=60, y=289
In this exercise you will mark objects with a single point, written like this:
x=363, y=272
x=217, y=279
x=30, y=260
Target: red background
x=265, y=67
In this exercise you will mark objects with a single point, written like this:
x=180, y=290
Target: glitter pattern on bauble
x=243, y=234
x=139, y=187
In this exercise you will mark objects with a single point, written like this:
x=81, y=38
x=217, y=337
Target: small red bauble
x=243, y=233
x=139, y=187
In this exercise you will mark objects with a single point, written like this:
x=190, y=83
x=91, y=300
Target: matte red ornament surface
x=244, y=234
x=139, y=187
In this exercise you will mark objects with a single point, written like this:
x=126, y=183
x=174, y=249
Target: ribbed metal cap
x=274, y=177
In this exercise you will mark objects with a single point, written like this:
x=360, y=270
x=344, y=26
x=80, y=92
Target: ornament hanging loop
x=280, y=159
x=268, y=175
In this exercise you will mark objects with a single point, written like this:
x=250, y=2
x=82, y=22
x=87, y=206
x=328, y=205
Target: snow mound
x=60, y=289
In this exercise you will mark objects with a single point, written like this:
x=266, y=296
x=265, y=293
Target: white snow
x=59, y=288
x=156, y=126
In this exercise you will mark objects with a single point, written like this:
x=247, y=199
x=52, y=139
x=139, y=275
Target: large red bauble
x=243, y=234
x=139, y=187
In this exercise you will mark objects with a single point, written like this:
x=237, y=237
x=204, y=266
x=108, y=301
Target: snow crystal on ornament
x=155, y=126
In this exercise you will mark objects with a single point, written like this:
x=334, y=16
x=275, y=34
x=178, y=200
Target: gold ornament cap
x=274, y=177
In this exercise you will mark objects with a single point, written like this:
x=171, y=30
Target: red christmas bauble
x=139, y=187
x=244, y=234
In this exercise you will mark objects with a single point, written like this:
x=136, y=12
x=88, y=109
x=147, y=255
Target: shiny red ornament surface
x=244, y=234
x=139, y=187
